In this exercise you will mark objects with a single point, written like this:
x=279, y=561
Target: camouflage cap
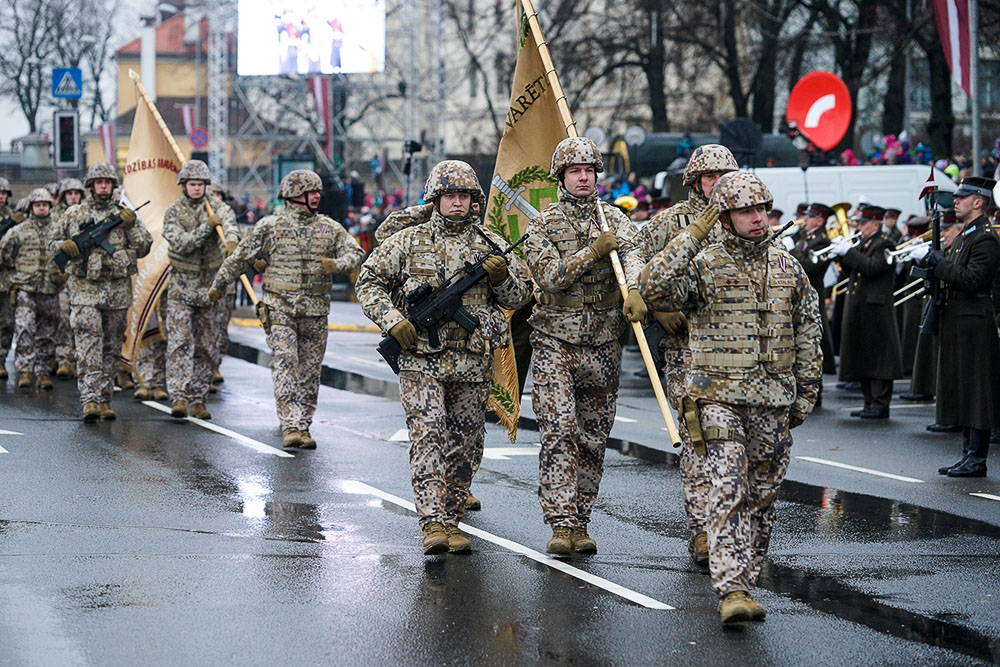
x=575, y=150
x=53, y=188
x=194, y=170
x=298, y=183
x=39, y=194
x=70, y=184
x=5, y=186
x=453, y=176
x=740, y=189
x=708, y=159
x=100, y=170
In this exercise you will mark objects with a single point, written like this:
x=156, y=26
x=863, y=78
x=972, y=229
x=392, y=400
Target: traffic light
x=66, y=139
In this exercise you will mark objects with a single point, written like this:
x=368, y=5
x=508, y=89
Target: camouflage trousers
x=98, y=334
x=190, y=350
x=35, y=321
x=447, y=425
x=6, y=326
x=747, y=454
x=695, y=484
x=223, y=311
x=65, y=353
x=574, y=394
x=297, y=348
x=151, y=362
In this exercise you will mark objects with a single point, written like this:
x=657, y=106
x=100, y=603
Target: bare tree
x=26, y=47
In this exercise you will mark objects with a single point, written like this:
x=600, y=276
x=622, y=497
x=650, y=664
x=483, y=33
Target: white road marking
x=504, y=453
x=3, y=451
x=3, y=432
x=895, y=406
x=239, y=437
x=351, y=486
x=625, y=420
x=402, y=435
x=867, y=471
x=988, y=496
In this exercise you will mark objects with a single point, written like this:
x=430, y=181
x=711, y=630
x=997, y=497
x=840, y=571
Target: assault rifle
x=654, y=334
x=6, y=225
x=429, y=308
x=92, y=235
x=929, y=326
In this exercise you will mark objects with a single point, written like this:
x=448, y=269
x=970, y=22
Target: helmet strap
x=304, y=202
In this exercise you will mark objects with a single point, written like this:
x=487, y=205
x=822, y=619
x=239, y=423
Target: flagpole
x=180, y=158
x=974, y=82
x=570, y=126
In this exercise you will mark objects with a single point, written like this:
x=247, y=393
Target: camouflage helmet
x=575, y=150
x=298, y=183
x=740, y=189
x=453, y=176
x=194, y=170
x=70, y=184
x=53, y=189
x=100, y=170
x=5, y=186
x=708, y=159
x=216, y=189
x=37, y=195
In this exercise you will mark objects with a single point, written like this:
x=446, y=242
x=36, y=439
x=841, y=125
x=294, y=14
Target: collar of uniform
x=971, y=226
x=697, y=201
x=450, y=227
x=740, y=247
x=583, y=205
x=297, y=215
x=101, y=204
x=192, y=202
x=40, y=221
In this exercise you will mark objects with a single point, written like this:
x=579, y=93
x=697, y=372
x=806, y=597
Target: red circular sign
x=199, y=137
x=820, y=108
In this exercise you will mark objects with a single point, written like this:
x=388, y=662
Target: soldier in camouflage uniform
x=71, y=192
x=303, y=251
x=100, y=287
x=151, y=359
x=707, y=164
x=36, y=281
x=196, y=253
x=443, y=389
x=754, y=334
x=224, y=310
x=6, y=310
x=577, y=320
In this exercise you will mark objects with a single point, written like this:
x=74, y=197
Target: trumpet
x=907, y=287
x=903, y=252
x=911, y=295
x=816, y=256
x=840, y=210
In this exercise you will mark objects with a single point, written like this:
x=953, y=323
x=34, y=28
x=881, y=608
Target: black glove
x=933, y=257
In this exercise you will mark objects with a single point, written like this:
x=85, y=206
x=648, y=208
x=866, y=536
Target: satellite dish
x=596, y=134
x=635, y=135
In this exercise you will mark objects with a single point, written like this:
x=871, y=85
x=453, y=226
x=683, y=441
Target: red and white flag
x=953, y=27
x=320, y=86
x=107, y=132
x=187, y=117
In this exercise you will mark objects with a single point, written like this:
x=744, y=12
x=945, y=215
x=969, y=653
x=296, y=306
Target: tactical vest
x=597, y=287
x=208, y=257
x=32, y=254
x=292, y=267
x=100, y=265
x=737, y=332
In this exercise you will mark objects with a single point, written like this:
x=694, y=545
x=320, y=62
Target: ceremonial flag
x=107, y=133
x=521, y=184
x=952, y=18
x=187, y=118
x=150, y=174
x=320, y=86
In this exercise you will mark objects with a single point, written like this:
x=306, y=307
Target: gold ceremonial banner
x=150, y=173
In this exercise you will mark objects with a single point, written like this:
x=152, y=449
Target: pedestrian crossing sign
x=67, y=83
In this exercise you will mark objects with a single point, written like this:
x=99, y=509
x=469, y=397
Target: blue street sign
x=67, y=83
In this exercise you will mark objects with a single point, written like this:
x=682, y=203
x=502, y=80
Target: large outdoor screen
x=310, y=37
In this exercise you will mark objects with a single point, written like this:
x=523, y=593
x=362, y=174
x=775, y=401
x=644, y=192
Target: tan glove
x=795, y=418
x=214, y=295
x=128, y=218
x=604, y=244
x=71, y=249
x=496, y=266
x=13, y=298
x=214, y=220
x=405, y=334
x=329, y=265
x=17, y=217
x=231, y=247
x=672, y=322
x=703, y=224
x=260, y=265
x=634, y=308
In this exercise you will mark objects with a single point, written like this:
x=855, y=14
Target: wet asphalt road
x=146, y=541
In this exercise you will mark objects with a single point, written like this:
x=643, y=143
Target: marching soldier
x=755, y=371
x=196, y=253
x=443, y=389
x=224, y=310
x=151, y=359
x=36, y=282
x=71, y=193
x=869, y=337
x=813, y=239
x=302, y=250
x=707, y=164
x=577, y=321
x=6, y=310
x=403, y=218
x=100, y=287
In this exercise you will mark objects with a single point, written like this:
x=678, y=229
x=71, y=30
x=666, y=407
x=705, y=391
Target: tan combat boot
x=435, y=538
x=217, y=377
x=473, y=503
x=159, y=394
x=24, y=380
x=698, y=546
x=561, y=542
x=199, y=411
x=457, y=542
x=63, y=371
x=735, y=607
x=107, y=413
x=124, y=379
x=91, y=412
x=212, y=389
x=44, y=382
x=179, y=409
x=291, y=437
x=308, y=442
x=582, y=542
x=757, y=610
x=143, y=393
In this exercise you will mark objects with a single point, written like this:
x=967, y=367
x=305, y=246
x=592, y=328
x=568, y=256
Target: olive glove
x=17, y=217
x=703, y=224
x=634, y=308
x=671, y=322
x=214, y=220
x=260, y=265
x=71, y=249
x=329, y=265
x=230, y=247
x=405, y=334
x=214, y=295
x=496, y=266
x=128, y=218
x=604, y=244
